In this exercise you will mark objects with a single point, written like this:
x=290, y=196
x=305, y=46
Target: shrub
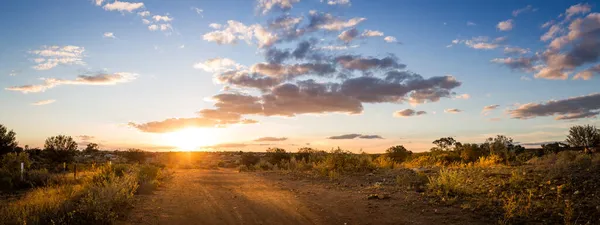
x=410, y=179
x=342, y=161
x=488, y=161
x=385, y=162
x=37, y=178
x=249, y=159
x=277, y=155
x=264, y=165
x=447, y=184
x=98, y=199
x=398, y=153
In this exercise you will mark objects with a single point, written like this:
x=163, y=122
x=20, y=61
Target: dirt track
x=229, y=197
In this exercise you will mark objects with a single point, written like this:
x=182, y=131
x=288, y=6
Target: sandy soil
x=228, y=197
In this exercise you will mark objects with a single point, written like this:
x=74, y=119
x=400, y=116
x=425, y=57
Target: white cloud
x=469, y=23
x=182, y=46
x=348, y=35
x=218, y=64
x=505, y=25
x=44, y=102
x=98, y=2
x=480, y=42
x=452, y=110
x=97, y=79
x=153, y=27
x=49, y=57
x=463, y=96
x=525, y=78
x=578, y=9
x=144, y=13
x=267, y=5
x=109, y=35
x=528, y=8
x=198, y=11
x=337, y=2
x=515, y=50
x=235, y=31
x=339, y=24
x=13, y=73
x=145, y=21
x=547, y=24
x=338, y=47
x=123, y=6
x=215, y=26
x=551, y=33
x=372, y=33
x=159, y=18
x=390, y=39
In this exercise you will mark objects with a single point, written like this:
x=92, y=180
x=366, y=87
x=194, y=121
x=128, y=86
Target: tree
x=398, y=153
x=91, y=148
x=445, y=144
x=502, y=146
x=60, y=148
x=135, y=155
x=584, y=137
x=8, y=141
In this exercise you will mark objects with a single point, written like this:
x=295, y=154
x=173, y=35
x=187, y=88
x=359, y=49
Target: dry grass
x=97, y=197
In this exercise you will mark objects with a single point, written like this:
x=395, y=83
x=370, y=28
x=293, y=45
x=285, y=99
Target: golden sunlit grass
x=190, y=139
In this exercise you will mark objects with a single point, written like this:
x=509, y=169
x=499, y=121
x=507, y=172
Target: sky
x=248, y=75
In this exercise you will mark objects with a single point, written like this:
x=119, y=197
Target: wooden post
x=75, y=171
x=64, y=167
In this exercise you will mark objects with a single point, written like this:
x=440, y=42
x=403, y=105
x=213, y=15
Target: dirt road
x=228, y=197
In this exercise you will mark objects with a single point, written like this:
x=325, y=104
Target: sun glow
x=190, y=138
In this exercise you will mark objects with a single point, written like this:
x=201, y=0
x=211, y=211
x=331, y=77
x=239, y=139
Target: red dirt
x=228, y=197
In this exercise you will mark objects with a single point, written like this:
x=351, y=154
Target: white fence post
x=22, y=170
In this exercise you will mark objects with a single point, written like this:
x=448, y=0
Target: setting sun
x=190, y=138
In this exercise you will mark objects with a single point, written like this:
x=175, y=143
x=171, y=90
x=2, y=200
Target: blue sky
x=116, y=71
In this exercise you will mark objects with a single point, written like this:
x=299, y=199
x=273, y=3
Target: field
x=496, y=182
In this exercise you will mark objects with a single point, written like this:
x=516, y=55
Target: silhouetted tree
x=502, y=146
x=91, y=148
x=60, y=148
x=8, y=141
x=445, y=144
x=398, y=153
x=585, y=137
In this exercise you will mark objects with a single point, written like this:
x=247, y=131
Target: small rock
x=372, y=196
